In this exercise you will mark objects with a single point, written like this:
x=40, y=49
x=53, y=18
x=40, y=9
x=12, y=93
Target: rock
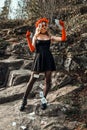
x=3, y=46
x=83, y=9
x=12, y=63
x=17, y=77
x=61, y=79
x=52, y=110
x=11, y=94
x=22, y=29
x=23, y=127
x=67, y=63
x=59, y=59
x=10, y=23
x=82, y=60
x=13, y=123
x=56, y=127
x=12, y=40
x=4, y=73
x=72, y=125
x=27, y=64
x=20, y=50
x=61, y=92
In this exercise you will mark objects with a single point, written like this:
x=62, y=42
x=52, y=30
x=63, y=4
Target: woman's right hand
x=28, y=34
x=38, y=29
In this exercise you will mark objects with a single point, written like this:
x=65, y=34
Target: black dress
x=43, y=58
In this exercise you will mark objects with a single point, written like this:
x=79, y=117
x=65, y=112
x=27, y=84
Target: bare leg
x=28, y=90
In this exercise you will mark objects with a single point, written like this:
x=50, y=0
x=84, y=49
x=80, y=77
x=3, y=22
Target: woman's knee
x=48, y=77
x=34, y=75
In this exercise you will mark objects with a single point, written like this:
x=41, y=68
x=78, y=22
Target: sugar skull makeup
x=43, y=25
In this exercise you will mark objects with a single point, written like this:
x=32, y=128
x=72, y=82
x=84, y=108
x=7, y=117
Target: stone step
x=13, y=63
x=12, y=93
x=61, y=92
x=17, y=77
x=32, y=116
x=16, y=92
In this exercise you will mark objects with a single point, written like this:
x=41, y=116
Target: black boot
x=24, y=103
x=43, y=106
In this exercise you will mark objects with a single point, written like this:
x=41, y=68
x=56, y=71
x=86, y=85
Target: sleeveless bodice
x=42, y=45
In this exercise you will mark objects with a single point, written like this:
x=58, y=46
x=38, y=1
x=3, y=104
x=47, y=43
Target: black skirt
x=43, y=60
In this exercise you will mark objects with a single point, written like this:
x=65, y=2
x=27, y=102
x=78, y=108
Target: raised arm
x=60, y=24
x=30, y=45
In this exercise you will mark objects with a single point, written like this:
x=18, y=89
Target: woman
x=43, y=61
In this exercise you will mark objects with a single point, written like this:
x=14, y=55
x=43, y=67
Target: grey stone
x=18, y=76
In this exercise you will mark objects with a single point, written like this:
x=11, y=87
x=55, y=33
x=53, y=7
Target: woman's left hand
x=37, y=31
x=59, y=23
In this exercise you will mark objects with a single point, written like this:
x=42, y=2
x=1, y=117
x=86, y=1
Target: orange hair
x=41, y=20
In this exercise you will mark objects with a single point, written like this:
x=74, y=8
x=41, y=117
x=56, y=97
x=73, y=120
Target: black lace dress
x=43, y=58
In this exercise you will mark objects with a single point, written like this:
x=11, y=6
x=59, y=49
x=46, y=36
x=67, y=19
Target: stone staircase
x=10, y=101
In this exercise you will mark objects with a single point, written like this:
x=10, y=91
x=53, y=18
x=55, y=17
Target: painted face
x=43, y=27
